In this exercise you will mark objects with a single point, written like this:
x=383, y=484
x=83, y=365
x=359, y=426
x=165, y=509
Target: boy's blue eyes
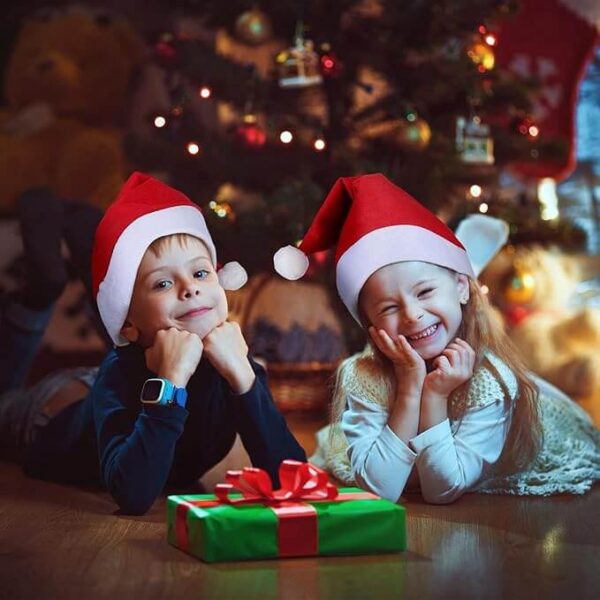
x=165, y=284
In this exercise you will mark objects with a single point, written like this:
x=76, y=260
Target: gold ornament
x=414, y=134
x=521, y=287
x=410, y=132
x=253, y=27
x=482, y=55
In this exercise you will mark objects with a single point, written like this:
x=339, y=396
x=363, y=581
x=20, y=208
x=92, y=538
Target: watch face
x=152, y=390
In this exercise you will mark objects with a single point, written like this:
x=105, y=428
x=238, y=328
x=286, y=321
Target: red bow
x=299, y=481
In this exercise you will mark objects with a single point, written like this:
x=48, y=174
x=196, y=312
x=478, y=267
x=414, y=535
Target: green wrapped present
x=308, y=516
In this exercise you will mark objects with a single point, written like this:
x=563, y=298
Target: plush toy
x=66, y=85
x=558, y=336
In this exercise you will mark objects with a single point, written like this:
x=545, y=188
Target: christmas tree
x=270, y=102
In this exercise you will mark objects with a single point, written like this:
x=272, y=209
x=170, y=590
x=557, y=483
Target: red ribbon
x=297, y=521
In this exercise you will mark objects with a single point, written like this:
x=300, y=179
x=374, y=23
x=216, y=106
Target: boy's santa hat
x=373, y=223
x=145, y=209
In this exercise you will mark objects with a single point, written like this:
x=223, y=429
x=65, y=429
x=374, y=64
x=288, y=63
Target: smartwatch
x=162, y=392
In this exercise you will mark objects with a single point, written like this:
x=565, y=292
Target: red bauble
x=330, y=65
x=249, y=134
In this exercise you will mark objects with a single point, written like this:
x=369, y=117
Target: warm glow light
x=319, y=144
x=546, y=192
x=286, y=136
x=483, y=207
x=485, y=290
x=533, y=131
x=193, y=148
x=204, y=92
x=159, y=121
x=490, y=39
x=475, y=191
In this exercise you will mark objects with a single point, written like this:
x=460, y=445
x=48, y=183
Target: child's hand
x=174, y=355
x=409, y=367
x=226, y=348
x=453, y=367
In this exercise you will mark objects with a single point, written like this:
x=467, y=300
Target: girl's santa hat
x=145, y=209
x=372, y=223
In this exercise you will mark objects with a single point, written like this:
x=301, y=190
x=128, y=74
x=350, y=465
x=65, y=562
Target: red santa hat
x=145, y=209
x=372, y=223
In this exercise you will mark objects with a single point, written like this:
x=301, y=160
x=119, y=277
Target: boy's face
x=177, y=289
x=418, y=300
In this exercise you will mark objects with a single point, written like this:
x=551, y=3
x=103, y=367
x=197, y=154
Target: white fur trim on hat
x=290, y=262
x=482, y=236
x=388, y=245
x=115, y=291
x=232, y=276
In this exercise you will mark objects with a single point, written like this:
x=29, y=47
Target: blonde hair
x=160, y=245
x=483, y=333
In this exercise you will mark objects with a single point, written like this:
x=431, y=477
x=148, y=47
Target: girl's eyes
x=201, y=274
x=425, y=292
x=387, y=309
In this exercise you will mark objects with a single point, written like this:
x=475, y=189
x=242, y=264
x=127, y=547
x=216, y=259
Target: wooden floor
x=60, y=542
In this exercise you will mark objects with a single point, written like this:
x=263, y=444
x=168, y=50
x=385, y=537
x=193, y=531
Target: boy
x=169, y=399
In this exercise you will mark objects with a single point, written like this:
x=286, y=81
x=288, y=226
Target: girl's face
x=418, y=300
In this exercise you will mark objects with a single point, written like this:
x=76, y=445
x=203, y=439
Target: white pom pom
x=232, y=276
x=482, y=236
x=290, y=262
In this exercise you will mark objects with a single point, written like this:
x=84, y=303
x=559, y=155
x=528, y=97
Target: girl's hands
x=409, y=367
x=452, y=367
x=226, y=348
x=174, y=355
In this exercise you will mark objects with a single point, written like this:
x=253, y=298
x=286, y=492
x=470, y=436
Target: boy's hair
x=483, y=333
x=158, y=246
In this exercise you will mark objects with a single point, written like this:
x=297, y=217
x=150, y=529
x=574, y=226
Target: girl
x=439, y=387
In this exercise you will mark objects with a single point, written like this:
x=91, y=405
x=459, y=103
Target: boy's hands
x=452, y=367
x=174, y=355
x=409, y=367
x=226, y=348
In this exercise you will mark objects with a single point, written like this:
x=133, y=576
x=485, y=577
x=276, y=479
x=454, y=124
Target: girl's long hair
x=484, y=333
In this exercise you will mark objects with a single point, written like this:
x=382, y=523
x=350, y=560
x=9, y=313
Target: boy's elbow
x=133, y=507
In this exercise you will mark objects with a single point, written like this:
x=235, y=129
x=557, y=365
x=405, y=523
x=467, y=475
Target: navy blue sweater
x=142, y=448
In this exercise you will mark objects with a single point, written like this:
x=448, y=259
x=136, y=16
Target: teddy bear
x=555, y=331
x=66, y=88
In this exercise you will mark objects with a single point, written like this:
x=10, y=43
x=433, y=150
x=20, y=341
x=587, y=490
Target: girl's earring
x=464, y=300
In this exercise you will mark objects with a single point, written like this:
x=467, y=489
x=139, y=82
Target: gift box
x=308, y=516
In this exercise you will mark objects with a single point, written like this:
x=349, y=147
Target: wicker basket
x=305, y=387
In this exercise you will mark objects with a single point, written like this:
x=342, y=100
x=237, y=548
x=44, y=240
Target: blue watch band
x=160, y=391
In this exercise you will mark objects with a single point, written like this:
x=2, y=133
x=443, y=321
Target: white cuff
x=431, y=436
x=396, y=446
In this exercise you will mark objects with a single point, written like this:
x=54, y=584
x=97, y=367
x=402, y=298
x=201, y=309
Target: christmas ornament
x=520, y=288
x=482, y=55
x=474, y=143
x=298, y=66
x=249, y=133
x=165, y=51
x=529, y=48
x=410, y=131
x=330, y=65
x=253, y=27
x=414, y=133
